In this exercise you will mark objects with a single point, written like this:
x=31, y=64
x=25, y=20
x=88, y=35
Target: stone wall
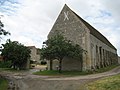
x=101, y=54
x=71, y=64
x=73, y=29
x=35, y=56
x=68, y=64
x=96, y=53
x=118, y=59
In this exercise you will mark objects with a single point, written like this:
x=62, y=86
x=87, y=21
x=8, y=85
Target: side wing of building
x=35, y=54
x=102, y=52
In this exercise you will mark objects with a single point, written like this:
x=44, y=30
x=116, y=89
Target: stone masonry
x=99, y=52
x=35, y=54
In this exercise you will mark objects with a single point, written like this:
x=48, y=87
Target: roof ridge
x=94, y=31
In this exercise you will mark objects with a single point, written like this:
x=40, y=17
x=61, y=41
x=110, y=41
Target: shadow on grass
x=74, y=73
x=63, y=73
x=13, y=70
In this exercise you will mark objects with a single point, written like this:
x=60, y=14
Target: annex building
x=99, y=52
x=35, y=54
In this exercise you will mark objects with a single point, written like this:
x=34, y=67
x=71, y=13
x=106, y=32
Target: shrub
x=5, y=64
x=43, y=62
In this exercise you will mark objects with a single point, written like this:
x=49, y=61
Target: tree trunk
x=60, y=65
x=81, y=64
x=50, y=64
x=14, y=66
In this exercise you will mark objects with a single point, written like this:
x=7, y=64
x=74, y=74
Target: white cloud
x=113, y=7
x=30, y=21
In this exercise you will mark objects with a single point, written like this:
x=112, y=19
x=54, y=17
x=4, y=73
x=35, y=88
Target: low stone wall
x=68, y=64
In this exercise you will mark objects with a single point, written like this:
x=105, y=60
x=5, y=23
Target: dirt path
x=92, y=76
x=27, y=81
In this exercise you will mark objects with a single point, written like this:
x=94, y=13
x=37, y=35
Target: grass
x=11, y=69
x=109, y=83
x=73, y=73
x=64, y=73
x=3, y=84
x=105, y=69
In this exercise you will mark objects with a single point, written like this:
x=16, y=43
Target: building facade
x=35, y=54
x=99, y=52
x=119, y=60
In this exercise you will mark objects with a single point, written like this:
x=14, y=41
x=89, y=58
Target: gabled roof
x=94, y=32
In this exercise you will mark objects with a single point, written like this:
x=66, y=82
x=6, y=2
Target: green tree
x=47, y=53
x=15, y=52
x=58, y=47
x=2, y=31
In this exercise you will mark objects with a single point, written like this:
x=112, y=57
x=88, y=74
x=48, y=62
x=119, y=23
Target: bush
x=3, y=84
x=5, y=64
x=43, y=62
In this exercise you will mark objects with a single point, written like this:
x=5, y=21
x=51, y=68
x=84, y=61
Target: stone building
x=99, y=52
x=35, y=54
x=119, y=59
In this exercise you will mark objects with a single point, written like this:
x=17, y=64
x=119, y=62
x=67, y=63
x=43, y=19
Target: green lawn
x=105, y=69
x=64, y=73
x=72, y=73
x=109, y=83
x=3, y=84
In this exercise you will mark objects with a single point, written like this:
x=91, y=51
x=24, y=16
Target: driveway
x=27, y=81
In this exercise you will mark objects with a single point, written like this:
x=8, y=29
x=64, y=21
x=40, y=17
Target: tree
x=2, y=31
x=47, y=53
x=58, y=47
x=15, y=52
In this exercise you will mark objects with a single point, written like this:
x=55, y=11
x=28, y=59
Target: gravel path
x=27, y=81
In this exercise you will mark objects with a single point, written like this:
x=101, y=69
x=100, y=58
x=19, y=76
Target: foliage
x=2, y=31
x=58, y=47
x=32, y=62
x=3, y=84
x=43, y=62
x=15, y=52
x=109, y=83
x=6, y=64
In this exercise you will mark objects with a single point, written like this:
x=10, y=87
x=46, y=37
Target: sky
x=30, y=21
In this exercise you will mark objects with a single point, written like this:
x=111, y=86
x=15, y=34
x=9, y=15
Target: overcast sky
x=29, y=21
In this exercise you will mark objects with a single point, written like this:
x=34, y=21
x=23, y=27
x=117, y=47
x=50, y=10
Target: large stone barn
x=99, y=52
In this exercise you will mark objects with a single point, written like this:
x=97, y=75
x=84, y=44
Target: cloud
x=113, y=7
x=29, y=21
x=33, y=20
x=101, y=14
x=9, y=7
